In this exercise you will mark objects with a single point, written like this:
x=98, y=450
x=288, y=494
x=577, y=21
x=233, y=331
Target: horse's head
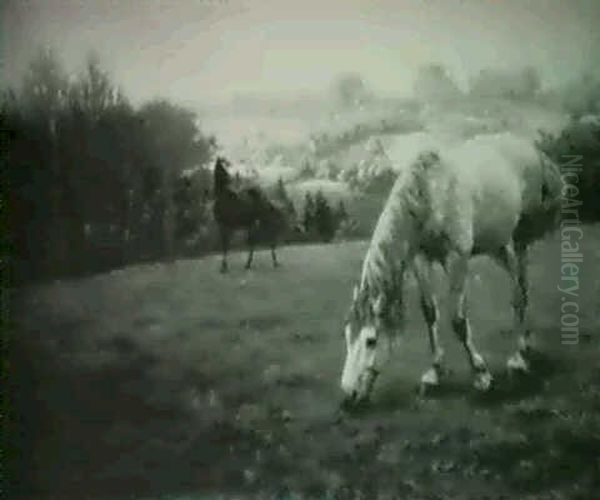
x=369, y=337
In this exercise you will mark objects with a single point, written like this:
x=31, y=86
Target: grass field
x=173, y=381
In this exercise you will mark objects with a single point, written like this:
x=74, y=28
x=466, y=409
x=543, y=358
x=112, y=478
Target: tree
x=530, y=83
x=350, y=90
x=581, y=96
x=580, y=138
x=102, y=167
x=177, y=145
x=433, y=82
x=341, y=213
x=44, y=86
x=519, y=84
x=307, y=170
x=308, y=217
x=95, y=90
x=280, y=191
x=86, y=169
x=324, y=218
x=282, y=196
x=43, y=97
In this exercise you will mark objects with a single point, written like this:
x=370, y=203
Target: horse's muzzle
x=355, y=398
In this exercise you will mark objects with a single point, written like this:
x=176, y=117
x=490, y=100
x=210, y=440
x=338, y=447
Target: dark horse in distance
x=245, y=210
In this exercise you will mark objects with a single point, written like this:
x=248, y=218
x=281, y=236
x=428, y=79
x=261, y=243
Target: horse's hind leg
x=460, y=323
x=515, y=263
x=224, y=246
x=274, y=255
x=429, y=307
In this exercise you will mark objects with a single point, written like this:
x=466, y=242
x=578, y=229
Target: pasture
x=173, y=381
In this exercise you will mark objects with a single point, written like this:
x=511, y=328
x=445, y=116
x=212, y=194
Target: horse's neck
x=222, y=180
x=396, y=235
x=384, y=282
x=390, y=250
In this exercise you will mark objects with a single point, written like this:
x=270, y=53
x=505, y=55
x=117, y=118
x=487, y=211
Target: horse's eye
x=371, y=342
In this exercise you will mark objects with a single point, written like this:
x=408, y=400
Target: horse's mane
x=408, y=203
x=222, y=183
x=255, y=194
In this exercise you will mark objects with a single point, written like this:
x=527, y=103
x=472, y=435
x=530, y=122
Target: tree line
x=90, y=181
x=322, y=222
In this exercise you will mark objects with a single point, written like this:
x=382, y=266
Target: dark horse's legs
x=251, y=238
x=225, y=235
x=273, y=254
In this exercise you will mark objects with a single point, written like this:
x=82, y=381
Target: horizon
x=207, y=52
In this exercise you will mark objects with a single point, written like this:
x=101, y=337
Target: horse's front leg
x=274, y=255
x=431, y=378
x=251, y=240
x=458, y=272
x=225, y=235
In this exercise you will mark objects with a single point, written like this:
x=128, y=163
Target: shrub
x=580, y=138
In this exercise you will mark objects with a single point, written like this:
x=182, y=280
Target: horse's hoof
x=430, y=381
x=517, y=364
x=483, y=381
x=430, y=377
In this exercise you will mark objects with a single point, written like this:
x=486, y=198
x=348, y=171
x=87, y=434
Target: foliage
x=581, y=96
x=519, y=84
x=307, y=170
x=322, y=222
x=351, y=91
x=309, y=213
x=92, y=179
x=581, y=138
x=374, y=173
x=282, y=197
x=433, y=82
x=194, y=229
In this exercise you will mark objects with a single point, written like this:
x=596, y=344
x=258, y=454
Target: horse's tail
x=220, y=177
x=552, y=181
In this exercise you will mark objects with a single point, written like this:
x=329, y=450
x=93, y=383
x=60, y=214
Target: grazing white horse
x=492, y=195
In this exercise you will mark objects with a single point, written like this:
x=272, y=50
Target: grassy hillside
x=166, y=380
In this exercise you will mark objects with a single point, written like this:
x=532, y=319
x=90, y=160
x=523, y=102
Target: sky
x=210, y=50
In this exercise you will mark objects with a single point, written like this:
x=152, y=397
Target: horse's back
x=504, y=179
x=482, y=189
x=500, y=161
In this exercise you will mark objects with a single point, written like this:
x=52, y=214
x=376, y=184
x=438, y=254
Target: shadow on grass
x=387, y=398
x=518, y=386
x=507, y=388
